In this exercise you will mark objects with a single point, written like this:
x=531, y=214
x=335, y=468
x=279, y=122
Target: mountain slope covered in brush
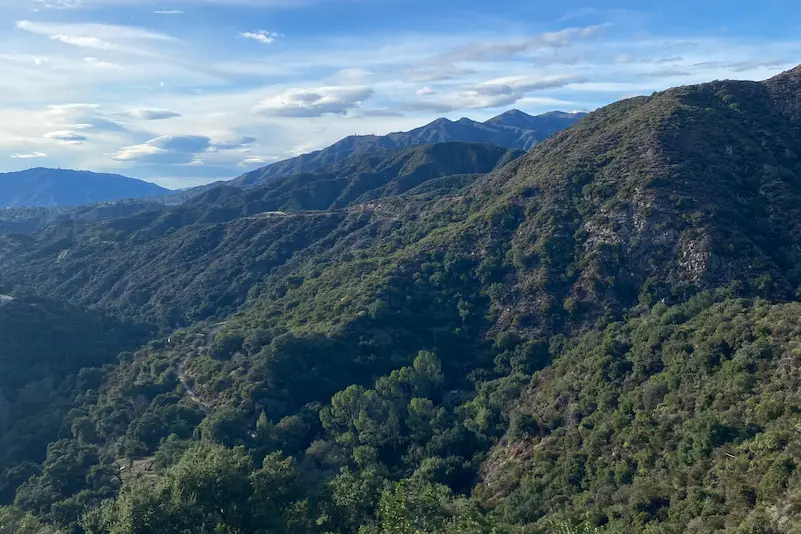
x=604, y=330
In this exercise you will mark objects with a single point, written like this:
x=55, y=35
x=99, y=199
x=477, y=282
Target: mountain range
x=597, y=336
x=42, y=187
x=513, y=129
x=61, y=187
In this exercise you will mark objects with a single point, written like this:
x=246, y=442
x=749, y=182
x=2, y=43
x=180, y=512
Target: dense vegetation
x=48, y=356
x=27, y=220
x=601, y=336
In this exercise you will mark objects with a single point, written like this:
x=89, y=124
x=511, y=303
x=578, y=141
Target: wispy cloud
x=494, y=93
x=167, y=149
x=494, y=51
x=100, y=64
x=58, y=4
x=66, y=137
x=102, y=31
x=256, y=160
x=153, y=114
x=107, y=37
x=168, y=12
x=28, y=155
x=261, y=36
x=235, y=144
x=314, y=102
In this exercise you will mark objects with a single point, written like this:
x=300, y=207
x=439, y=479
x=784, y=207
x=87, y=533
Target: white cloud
x=167, y=149
x=168, y=12
x=30, y=155
x=500, y=50
x=107, y=37
x=83, y=116
x=490, y=94
x=235, y=144
x=100, y=31
x=66, y=137
x=59, y=4
x=314, y=102
x=100, y=64
x=261, y=36
x=85, y=42
x=256, y=160
x=153, y=114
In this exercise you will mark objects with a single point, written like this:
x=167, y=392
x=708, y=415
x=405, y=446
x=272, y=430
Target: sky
x=184, y=92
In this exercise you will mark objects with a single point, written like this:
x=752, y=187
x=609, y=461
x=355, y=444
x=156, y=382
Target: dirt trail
x=210, y=334
x=324, y=213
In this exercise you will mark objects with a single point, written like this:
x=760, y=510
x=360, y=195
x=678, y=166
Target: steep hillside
x=513, y=129
x=684, y=417
x=61, y=187
x=48, y=355
x=362, y=178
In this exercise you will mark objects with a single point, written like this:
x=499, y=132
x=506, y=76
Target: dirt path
x=210, y=334
x=323, y=213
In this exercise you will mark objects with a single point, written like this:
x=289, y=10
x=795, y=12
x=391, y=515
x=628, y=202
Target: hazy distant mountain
x=513, y=129
x=60, y=187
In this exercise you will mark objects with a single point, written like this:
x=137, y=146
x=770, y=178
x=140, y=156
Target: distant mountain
x=61, y=187
x=365, y=177
x=513, y=129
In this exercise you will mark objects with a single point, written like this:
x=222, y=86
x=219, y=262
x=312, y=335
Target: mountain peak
x=440, y=121
x=512, y=114
x=545, y=124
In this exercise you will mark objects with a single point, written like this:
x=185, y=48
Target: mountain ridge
x=525, y=133
x=42, y=186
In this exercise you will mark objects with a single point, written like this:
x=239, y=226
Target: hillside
x=177, y=265
x=603, y=330
x=61, y=187
x=48, y=355
x=361, y=178
x=27, y=220
x=513, y=129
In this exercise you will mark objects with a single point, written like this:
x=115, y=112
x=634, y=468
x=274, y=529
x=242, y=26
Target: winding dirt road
x=210, y=334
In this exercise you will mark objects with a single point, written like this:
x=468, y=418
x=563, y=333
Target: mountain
x=599, y=336
x=61, y=187
x=513, y=129
x=360, y=178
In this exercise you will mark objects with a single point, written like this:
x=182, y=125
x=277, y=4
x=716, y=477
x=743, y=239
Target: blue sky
x=182, y=92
